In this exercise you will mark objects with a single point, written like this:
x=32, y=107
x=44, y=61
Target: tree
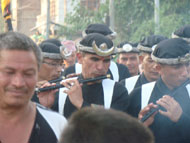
x=134, y=19
x=78, y=20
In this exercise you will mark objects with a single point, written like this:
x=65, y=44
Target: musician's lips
x=55, y=76
x=17, y=92
x=97, y=75
x=130, y=67
x=154, y=73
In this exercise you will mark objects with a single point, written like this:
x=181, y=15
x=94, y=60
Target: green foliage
x=78, y=20
x=173, y=16
x=134, y=19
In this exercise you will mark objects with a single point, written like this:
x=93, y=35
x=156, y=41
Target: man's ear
x=158, y=68
x=141, y=66
x=141, y=58
x=79, y=57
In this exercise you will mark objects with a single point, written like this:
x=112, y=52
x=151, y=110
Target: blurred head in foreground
x=98, y=125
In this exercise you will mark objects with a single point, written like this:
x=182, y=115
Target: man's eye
x=54, y=64
x=124, y=59
x=95, y=59
x=107, y=60
x=150, y=61
x=133, y=58
x=9, y=72
x=29, y=74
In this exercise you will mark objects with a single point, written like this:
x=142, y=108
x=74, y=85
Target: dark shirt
x=42, y=131
x=93, y=94
x=165, y=131
x=123, y=72
x=140, y=81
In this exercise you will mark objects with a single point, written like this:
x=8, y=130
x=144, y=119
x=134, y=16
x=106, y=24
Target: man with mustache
x=21, y=120
x=94, y=55
x=117, y=71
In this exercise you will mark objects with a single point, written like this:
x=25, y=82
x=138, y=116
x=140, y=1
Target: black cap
x=97, y=44
x=149, y=43
x=53, y=41
x=183, y=32
x=172, y=51
x=50, y=50
x=101, y=29
x=127, y=47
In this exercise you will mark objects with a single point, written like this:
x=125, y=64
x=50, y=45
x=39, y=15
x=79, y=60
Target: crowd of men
x=43, y=86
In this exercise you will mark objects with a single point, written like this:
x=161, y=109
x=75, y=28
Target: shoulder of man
x=49, y=114
x=55, y=121
x=120, y=89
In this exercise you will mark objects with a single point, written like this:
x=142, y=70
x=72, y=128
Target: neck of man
x=149, y=79
x=14, y=114
x=168, y=85
x=134, y=73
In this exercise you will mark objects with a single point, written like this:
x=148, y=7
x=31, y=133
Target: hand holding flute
x=74, y=91
x=58, y=85
x=172, y=107
x=47, y=98
x=144, y=111
x=159, y=103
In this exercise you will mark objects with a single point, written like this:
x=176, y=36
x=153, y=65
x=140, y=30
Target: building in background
x=30, y=16
x=24, y=14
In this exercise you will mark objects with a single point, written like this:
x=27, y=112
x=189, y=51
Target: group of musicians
x=161, y=80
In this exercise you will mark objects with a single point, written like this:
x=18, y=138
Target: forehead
x=88, y=55
x=52, y=60
x=128, y=54
x=16, y=57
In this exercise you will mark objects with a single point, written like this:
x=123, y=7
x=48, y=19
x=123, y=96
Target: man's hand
x=144, y=111
x=72, y=75
x=173, y=109
x=47, y=98
x=74, y=92
x=41, y=83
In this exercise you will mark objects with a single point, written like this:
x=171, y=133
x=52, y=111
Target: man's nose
x=184, y=71
x=18, y=80
x=59, y=68
x=128, y=62
x=100, y=65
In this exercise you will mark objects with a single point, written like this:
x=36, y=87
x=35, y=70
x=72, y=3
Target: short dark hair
x=18, y=41
x=98, y=125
